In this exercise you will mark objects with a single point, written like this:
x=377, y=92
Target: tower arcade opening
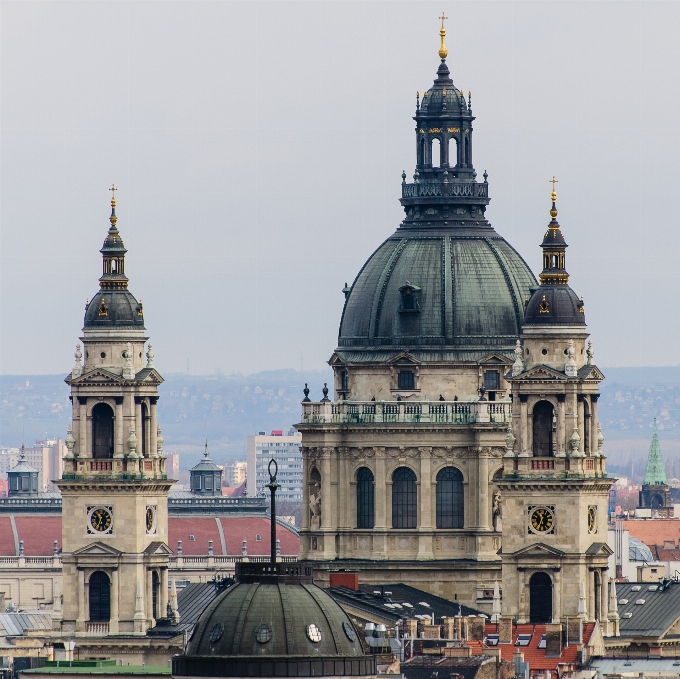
x=102, y=431
x=540, y=598
x=543, y=423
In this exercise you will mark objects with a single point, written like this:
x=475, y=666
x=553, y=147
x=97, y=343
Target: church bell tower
x=114, y=485
x=554, y=484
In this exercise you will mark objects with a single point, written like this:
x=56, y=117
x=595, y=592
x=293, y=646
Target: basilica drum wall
x=454, y=562
x=452, y=382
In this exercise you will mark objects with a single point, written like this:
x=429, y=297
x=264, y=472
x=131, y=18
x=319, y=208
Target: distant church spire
x=655, y=474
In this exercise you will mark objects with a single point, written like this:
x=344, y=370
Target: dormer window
x=409, y=303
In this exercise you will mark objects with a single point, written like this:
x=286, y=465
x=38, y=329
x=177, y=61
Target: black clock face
x=150, y=519
x=101, y=520
x=542, y=519
x=591, y=519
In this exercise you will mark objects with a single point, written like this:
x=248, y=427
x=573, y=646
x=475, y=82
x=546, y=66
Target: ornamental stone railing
x=371, y=412
x=441, y=188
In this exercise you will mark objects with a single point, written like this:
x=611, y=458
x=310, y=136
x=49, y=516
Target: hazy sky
x=258, y=148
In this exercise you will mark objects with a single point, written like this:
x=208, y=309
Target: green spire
x=655, y=474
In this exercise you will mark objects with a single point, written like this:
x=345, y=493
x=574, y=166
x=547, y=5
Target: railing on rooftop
x=441, y=188
x=370, y=412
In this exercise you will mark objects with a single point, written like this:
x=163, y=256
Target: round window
x=263, y=634
x=103, y=354
x=217, y=632
x=314, y=633
x=349, y=631
x=544, y=351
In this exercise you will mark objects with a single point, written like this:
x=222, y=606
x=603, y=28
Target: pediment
x=541, y=373
x=336, y=360
x=590, y=373
x=158, y=548
x=538, y=549
x=496, y=359
x=97, y=376
x=599, y=549
x=97, y=549
x=403, y=357
x=150, y=376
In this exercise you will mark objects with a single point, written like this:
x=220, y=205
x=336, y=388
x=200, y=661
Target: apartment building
x=286, y=451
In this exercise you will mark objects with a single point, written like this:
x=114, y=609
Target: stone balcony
x=375, y=412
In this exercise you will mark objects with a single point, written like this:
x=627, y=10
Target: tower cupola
x=554, y=302
x=113, y=254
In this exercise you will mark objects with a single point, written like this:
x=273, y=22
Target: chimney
x=505, y=629
x=553, y=640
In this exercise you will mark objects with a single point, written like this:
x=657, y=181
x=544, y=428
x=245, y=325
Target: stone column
x=305, y=487
x=524, y=415
x=604, y=599
x=139, y=428
x=149, y=597
x=153, y=424
x=562, y=444
x=593, y=422
x=115, y=589
x=425, y=550
x=483, y=491
x=82, y=428
x=557, y=595
x=118, y=450
x=521, y=596
x=581, y=423
x=591, y=595
x=380, y=495
x=82, y=615
x=163, y=598
x=329, y=515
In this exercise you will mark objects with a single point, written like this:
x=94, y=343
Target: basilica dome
x=468, y=285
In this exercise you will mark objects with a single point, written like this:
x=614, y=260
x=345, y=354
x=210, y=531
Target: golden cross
x=443, y=18
x=112, y=189
x=553, y=181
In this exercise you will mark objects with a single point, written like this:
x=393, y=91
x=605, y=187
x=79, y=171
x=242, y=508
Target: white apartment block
x=235, y=472
x=286, y=451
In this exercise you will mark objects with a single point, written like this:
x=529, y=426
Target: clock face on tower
x=150, y=520
x=542, y=519
x=99, y=520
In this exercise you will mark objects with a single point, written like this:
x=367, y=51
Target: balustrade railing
x=98, y=628
x=445, y=412
x=441, y=188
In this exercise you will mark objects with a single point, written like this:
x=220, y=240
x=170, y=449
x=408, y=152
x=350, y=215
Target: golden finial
x=553, y=195
x=113, y=219
x=442, y=34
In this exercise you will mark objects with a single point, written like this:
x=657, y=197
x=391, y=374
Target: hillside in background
x=231, y=407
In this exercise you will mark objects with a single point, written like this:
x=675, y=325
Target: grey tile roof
x=15, y=624
x=653, y=617
x=191, y=601
x=391, y=602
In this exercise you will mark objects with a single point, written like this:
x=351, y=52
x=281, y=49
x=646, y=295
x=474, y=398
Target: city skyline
x=250, y=165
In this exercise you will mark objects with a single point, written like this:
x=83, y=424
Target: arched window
x=155, y=590
x=102, y=431
x=365, y=499
x=453, y=152
x=449, y=498
x=540, y=598
x=404, y=499
x=543, y=429
x=435, y=153
x=100, y=597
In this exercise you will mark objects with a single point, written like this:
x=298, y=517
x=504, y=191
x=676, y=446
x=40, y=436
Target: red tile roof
x=40, y=531
x=7, y=546
x=663, y=554
x=532, y=654
x=653, y=531
x=39, y=535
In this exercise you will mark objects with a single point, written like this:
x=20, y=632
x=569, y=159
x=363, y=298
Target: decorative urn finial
x=443, y=52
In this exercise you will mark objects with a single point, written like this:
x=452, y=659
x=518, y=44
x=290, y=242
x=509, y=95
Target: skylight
x=541, y=643
x=623, y=602
x=492, y=640
x=635, y=588
x=639, y=602
x=423, y=603
x=653, y=588
x=523, y=639
x=627, y=615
